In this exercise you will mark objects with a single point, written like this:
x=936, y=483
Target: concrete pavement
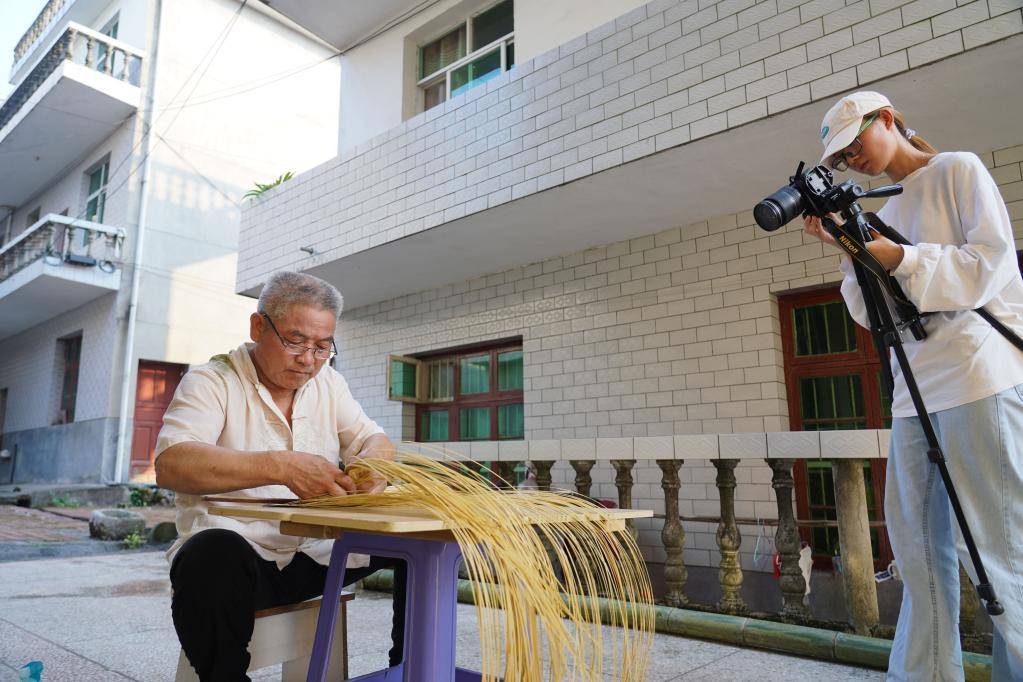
x=107, y=617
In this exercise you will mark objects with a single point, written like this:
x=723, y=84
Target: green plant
x=140, y=497
x=133, y=541
x=260, y=188
x=64, y=502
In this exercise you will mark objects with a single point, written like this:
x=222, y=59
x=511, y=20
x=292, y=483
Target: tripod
x=874, y=281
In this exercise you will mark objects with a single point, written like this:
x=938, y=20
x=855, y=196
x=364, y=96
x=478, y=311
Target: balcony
x=342, y=24
x=80, y=90
x=666, y=116
x=56, y=265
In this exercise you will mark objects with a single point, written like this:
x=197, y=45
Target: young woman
x=970, y=377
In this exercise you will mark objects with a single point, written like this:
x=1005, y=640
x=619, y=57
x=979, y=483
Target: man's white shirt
x=223, y=403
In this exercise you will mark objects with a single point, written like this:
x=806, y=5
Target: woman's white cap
x=842, y=122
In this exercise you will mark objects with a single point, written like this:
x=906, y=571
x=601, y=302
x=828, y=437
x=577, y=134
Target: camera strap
x=852, y=245
x=857, y=250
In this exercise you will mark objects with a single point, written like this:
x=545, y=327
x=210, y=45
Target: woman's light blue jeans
x=983, y=446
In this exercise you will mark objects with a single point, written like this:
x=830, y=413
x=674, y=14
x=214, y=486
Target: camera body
x=810, y=193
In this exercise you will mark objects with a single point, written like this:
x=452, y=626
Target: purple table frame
x=429, y=612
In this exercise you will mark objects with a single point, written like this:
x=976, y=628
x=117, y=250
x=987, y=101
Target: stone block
x=115, y=524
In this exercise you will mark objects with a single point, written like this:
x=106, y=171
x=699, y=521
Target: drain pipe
x=127, y=371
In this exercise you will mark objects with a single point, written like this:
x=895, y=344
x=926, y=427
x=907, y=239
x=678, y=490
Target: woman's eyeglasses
x=840, y=161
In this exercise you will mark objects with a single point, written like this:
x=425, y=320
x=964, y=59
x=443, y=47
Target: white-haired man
x=269, y=419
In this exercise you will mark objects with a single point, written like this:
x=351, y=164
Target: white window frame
x=445, y=73
x=102, y=191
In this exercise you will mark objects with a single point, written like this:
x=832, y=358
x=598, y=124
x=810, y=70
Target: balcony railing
x=60, y=240
x=848, y=450
x=49, y=13
x=79, y=45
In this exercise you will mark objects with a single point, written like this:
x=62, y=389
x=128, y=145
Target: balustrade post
x=543, y=474
x=729, y=539
x=108, y=63
x=623, y=481
x=673, y=536
x=125, y=62
x=854, y=539
x=969, y=602
x=69, y=44
x=90, y=57
x=506, y=470
x=786, y=540
x=583, y=480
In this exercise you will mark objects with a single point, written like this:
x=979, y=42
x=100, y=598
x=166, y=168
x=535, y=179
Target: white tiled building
x=587, y=200
x=235, y=93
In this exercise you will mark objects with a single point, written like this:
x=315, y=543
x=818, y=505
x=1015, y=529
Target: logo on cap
x=824, y=132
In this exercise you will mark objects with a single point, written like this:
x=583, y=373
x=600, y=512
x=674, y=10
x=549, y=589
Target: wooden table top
x=390, y=520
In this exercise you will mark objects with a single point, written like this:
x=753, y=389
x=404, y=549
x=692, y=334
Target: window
x=470, y=394
x=833, y=380
x=71, y=353
x=468, y=55
x=33, y=217
x=95, y=201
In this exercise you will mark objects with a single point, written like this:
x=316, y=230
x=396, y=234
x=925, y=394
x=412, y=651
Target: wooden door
x=156, y=384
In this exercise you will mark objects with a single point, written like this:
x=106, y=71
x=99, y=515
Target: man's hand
x=309, y=475
x=377, y=446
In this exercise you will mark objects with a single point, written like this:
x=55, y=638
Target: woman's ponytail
x=910, y=134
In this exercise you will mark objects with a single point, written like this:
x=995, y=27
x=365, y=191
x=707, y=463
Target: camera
x=814, y=193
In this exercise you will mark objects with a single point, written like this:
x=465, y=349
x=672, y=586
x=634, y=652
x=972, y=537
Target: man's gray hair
x=285, y=289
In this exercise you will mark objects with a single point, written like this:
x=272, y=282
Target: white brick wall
x=31, y=364
x=658, y=76
x=672, y=333
x=71, y=190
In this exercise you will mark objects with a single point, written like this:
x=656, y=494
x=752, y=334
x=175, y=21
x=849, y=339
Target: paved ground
x=58, y=531
x=107, y=617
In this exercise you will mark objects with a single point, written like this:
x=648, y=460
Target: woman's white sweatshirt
x=964, y=258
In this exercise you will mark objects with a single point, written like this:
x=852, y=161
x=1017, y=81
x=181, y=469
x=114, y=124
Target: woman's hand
x=887, y=252
x=812, y=226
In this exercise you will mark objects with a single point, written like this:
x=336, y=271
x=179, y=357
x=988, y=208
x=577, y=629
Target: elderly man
x=266, y=420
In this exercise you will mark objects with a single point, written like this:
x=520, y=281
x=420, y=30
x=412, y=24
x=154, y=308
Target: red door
x=157, y=382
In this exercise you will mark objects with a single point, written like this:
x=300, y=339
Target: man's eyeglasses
x=840, y=161
x=299, y=349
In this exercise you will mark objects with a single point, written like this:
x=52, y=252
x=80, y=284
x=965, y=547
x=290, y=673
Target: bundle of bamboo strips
x=539, y=563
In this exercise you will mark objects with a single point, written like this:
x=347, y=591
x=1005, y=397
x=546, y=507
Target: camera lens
x=779, y=208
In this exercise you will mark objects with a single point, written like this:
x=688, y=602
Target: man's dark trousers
x=220, y=582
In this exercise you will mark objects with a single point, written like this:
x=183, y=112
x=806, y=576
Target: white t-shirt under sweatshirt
x=964, y=259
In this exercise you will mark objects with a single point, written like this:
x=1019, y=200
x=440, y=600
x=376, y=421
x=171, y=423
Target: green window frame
x=472, y=393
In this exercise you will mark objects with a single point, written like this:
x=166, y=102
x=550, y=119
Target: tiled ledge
x=865, y=444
